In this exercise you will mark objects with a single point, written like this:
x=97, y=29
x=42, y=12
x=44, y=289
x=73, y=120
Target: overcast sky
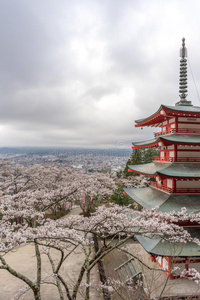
x=78, y=73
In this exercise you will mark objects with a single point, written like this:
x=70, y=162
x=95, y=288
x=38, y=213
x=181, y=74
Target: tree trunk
x=39, y=268
x=87, y=294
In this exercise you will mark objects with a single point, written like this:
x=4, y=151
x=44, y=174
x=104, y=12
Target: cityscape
x=82, y=160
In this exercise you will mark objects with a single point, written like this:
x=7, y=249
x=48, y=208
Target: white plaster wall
x=190, y=126
x=162, y=154
x=170, y=147
x=157, y=180
x=188, y=154
x=188, y=119
x=172, y=120
x=165, y=264
x=187, y=184
x=159, y=259
x=169, y=183
x=188, y=147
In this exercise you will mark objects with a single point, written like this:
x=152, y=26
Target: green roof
x=150, y=198
x=158, y=247
x=168, y=170
x=173, y=138
x=183, y=108
x=146, y=143
x=181, y=171
x=148, y=169
x=182, y=139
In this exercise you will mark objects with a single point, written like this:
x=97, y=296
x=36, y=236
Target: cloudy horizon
x=78, y=73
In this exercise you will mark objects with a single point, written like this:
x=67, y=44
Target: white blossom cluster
x=191, y=274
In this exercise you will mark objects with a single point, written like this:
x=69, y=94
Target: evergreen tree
x=140, y=156
x=148, y=155
x=119, y=198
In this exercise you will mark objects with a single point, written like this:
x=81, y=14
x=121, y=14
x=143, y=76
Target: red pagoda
x=176, y=174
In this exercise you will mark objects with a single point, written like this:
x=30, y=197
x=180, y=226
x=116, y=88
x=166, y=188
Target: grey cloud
x=80, y=72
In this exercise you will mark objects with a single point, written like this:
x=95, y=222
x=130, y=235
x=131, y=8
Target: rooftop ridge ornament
x=183, y=76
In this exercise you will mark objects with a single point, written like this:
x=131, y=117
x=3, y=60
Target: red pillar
x=175, y=152
x=173, y=185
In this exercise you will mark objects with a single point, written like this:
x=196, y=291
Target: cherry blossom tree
x=95, y=188
x=68, y=234
x=28, y=192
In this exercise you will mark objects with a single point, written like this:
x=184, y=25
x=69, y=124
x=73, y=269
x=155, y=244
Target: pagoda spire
x=183, y=76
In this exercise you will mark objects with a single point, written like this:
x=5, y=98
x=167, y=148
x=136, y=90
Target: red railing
x=160, y=187
x=188, y=190
x=171, y=190
x=180, y=130
x=188, y=159
x=158, y=158
x=172, y=159
x=162, y=159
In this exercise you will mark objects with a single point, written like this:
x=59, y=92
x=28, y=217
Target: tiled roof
x=148, y=169
x=150, y=198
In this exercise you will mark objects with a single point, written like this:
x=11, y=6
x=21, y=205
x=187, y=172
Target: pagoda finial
x=183, y=50
x=183, y=76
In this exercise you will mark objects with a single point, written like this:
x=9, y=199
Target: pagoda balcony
x=181, y=130
x=179, y=160
x=169, y=190
x=160, y=187
x=188, y=159
x=161, y=159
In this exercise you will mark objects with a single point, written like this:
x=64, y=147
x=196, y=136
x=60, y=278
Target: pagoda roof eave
x=185, y=171
x=150, y=198
x=160, y=247
x=165, y=111
x=148, y=121
x=169, y=139
x=181, y=171
x=143, y=144
x=149, y=169
x=188, y=109
x=181, y=139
